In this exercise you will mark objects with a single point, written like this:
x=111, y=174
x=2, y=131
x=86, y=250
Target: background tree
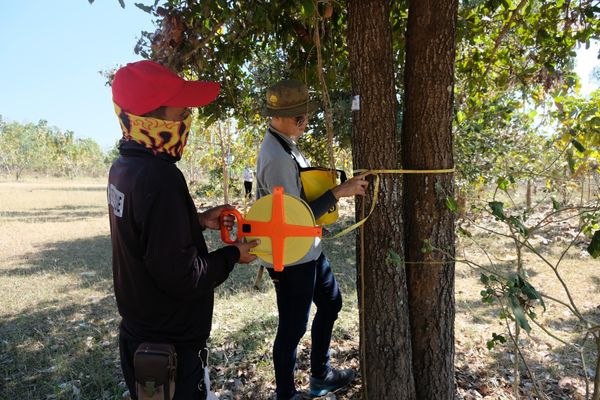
x=45, y=150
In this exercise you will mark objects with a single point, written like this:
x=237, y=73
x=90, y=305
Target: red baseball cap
x=143, y=86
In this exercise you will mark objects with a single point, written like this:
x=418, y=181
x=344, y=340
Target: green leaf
x=452, y=204
x=142, y=7
x=518, y=225
x=497, y=209
x=503, y=183
x=594, y=246
x=578, y=145
x=499, y=338
x=427, y=248
x=484, y=279
x=555, y=204
x=531, y=293
x=460, y=117
x=308, y=7
x=393, y=258
x=518, y=312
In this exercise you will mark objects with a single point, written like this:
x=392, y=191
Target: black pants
x=189, y=383
x=248, y=188
x=297, y=287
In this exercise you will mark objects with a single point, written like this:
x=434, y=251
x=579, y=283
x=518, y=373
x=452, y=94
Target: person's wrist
x=201, y=220
x=336, y=191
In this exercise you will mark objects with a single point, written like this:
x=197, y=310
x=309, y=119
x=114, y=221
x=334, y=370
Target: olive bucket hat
x=288, y=98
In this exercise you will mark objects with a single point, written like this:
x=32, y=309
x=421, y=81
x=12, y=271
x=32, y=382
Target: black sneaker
x=334, y=380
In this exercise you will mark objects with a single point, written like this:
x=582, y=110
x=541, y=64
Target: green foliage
x=248, y=46
x=578, y=120
x=497, y=208
x=41, y=149
x=517, y=292
x=210, y=151
x=510, y=58
x=594, y=246
x=452, y=204
x=394, y=258
x=496, y=339
x=514, y=221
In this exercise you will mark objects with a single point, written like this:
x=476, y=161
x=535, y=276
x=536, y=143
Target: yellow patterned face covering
x=158, y=135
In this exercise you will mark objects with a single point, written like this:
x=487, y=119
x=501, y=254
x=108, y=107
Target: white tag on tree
x=355, y=103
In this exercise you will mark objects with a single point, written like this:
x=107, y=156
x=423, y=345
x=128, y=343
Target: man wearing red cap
x=164, y=275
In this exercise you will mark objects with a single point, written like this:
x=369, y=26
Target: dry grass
x=58, y=319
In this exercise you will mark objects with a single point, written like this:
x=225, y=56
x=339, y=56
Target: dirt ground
x=58, y=318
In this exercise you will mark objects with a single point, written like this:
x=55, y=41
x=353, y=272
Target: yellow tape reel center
x=296, y=212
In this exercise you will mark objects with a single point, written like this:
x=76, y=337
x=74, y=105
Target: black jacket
x=163, y=274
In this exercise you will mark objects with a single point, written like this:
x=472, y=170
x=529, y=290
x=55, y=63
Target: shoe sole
x=323, y=392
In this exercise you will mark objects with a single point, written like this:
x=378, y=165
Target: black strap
x=284, y=144
x=288, y=150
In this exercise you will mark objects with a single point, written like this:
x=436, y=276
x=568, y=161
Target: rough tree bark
x=427, y=144
x=385, y=341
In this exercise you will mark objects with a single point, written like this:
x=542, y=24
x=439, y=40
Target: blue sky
x=586, y=60
x=51, y=52
x=50, y=55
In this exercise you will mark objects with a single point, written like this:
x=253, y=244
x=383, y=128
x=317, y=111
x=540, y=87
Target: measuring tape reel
x=284, y=224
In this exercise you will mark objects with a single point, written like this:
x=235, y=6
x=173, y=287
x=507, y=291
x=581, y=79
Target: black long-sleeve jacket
x=164, y=276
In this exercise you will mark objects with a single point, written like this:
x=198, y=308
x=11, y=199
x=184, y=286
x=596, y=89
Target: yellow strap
x=376, y=172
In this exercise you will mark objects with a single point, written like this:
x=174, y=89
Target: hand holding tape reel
x=284, y=224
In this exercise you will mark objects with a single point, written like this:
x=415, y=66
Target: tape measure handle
x=225, y=236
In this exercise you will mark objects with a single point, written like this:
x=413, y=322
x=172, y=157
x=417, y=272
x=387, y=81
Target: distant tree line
x=46, y=150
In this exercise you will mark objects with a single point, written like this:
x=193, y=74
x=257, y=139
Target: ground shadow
x=596, y=282
x=57, y=214
x=90, y=258
x=56, y=350
x=235, y=375
x=549, y=364
x=71, y=189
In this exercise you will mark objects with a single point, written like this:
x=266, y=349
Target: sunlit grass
x=59, y=323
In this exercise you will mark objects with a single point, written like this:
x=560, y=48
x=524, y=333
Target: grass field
x=59, y=324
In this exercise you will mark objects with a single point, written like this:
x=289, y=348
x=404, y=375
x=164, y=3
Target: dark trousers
x=297, y=287
x=248, y=188
x=189, y=383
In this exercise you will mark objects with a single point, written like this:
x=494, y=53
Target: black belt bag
x=155, y=366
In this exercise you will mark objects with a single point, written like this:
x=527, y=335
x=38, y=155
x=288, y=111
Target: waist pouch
x=155, y=366
x=315, y=182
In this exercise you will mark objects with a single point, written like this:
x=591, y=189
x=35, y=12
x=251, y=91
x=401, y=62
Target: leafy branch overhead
x=510, y=55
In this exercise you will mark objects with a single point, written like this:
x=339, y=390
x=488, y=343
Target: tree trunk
x=528, y=195
x=385, y=337
x=427, y=145
x=596, y=395
x=224, y=165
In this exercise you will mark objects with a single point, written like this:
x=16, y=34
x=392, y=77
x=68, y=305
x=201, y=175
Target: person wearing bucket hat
x=309, y=280
x=164, y=276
